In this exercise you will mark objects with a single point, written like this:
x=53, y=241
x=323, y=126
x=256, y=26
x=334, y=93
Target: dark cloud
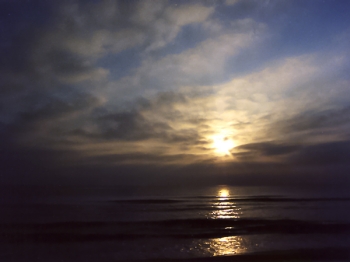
x=138, y=159
x=30, y=165
x=46, y=119
x=264, y=149
x=129, y=126
x=325, y=164
x=169, y=99
x=331, y=153
x=19, y=24
x=54, y=107
x=316, y=120
x=132, y=125
x=63, y=63
x=319, y=154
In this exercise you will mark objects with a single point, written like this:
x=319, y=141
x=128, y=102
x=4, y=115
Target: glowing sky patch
x=222, y=145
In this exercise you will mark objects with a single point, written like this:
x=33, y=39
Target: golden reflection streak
x=224, y=193
x=232, y=245
x=226, y=213
x=226, y=209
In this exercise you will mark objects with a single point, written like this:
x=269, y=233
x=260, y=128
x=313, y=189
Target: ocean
x=218, y=223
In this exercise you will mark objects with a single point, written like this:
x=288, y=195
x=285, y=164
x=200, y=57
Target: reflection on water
x=223, y=194
x=224, y=208
x=226, y=246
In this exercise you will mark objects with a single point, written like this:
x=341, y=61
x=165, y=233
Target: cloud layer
x=122, y=87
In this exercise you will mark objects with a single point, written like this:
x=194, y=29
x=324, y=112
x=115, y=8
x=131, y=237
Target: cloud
x=164, y=23
x=323, y=154
x=322, y=125
x=68, y=50
x=148, y=83
x=260, y=150
x=249, y=109
x=93, y=29
x=120, y=126
x=231, y=2
x=67, y=67
x=183, y=122
x=138, y=159
x=159, y=121
x=96, y=29
x=260, y=103
x=196, y=66
x=45, y=122
x=325, y=159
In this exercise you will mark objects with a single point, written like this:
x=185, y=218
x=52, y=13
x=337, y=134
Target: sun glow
x=222, y=144
x=223, y=193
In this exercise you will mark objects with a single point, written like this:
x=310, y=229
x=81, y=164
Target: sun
x=223, y=193
x=222, y=145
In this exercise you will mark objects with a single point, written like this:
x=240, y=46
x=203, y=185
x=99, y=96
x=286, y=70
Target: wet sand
x=301, y=255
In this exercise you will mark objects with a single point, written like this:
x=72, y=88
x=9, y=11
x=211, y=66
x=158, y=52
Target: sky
x=242, y=92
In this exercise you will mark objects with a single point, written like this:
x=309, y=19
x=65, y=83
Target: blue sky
x=121, y=91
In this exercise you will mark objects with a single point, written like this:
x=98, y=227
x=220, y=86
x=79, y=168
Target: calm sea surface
x=118, y=224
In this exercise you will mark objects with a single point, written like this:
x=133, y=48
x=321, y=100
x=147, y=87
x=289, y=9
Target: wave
x=147, y=201
x=285, y=199
x=212, y=199
x=292, y=255
x=183, y=228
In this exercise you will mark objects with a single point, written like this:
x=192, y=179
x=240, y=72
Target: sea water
x=138, y=223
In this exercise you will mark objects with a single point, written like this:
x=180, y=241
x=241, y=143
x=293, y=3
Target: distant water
x=119, y=224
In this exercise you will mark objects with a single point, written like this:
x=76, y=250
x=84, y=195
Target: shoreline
x=298, y=255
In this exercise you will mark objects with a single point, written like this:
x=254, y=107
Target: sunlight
x=224, y=207
x=232, y=245
x=224, y=246
x=223, y=193
x=222, y=144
